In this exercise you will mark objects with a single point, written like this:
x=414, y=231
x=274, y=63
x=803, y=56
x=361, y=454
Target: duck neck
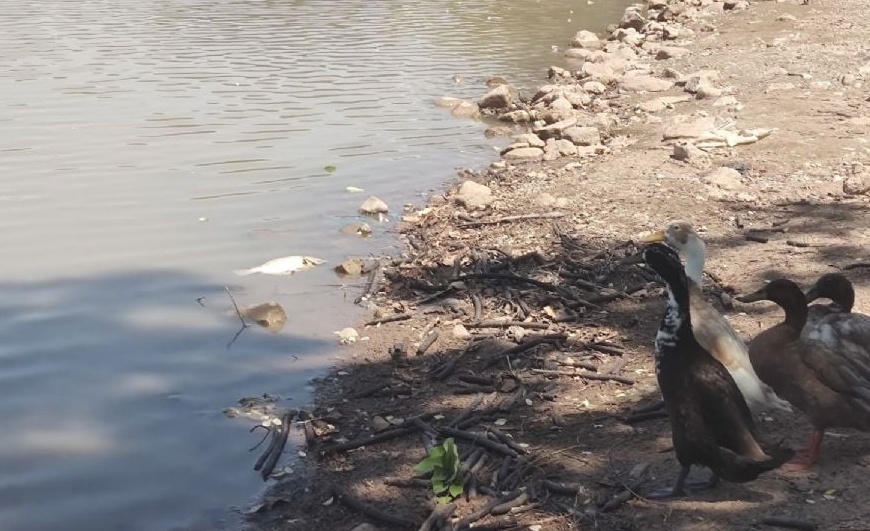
x=795, y=307
x=695, y=253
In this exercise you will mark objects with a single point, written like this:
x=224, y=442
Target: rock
x=543, y=90
x=628, y=36
x=778, y=86
x=495, y=81
x=525, y=154
x=736, y=5
x=696, y=80
x=496, y=131
x=786, y=17
x=557, y=71
x=561, y=104
x=705, y=91
x=689, y=153
x=348, y=335
x=555, y=129
x=447, y=102
x=544, y=200
x=643, y=83
x=564, y=147
x=821, y=85
x=671, y=52
x=531, y=139
x=373, y=205
x=856, y=184
x=724, y=178
x=596, y=70
x=578, y=99
x=460, y=332
x=848, y=80
x=587, y=40
x=379, y=423
x=726, y=101
x=578, y=53
x=474, y=196
x=269, y=315
x=517, y=117
x=632, y=19
x=594, y=87
x=688, y=129
x=662, y=102
x=582, y=136
x=562, y=202
x=552, y=116
x=361, y=228
x=353, y=267
x=497, y=98
x=365, y=527
x=466, y=109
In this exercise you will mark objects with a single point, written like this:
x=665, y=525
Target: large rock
x=596, y=70
x=595, y=87
x=497, y=98
x=447, y=102
x=561, y=104
x=466, y=110
x=525, y=154
x=582, y=136
x=692, y=155
x=555, y=130
x=474, y=196
x=586, y=39
x=856, y=184
x=688, y=129
x=643, y=83
x=578, y=99
x=373, y=205
x=559, y=148
x=724, y=178
x=632, y=18
x=518, y=117
x=530, y=139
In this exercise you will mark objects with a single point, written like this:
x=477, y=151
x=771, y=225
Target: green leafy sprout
x=443, y=463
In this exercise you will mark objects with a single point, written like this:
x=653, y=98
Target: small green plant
x=443, y=463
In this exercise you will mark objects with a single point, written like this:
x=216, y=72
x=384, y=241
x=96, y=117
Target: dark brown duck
x=822, y=368
x=710, y=421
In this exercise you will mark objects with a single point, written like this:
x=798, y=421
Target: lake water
x=150, y=148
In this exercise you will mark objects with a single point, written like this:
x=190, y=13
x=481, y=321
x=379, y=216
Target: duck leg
x=677, y=491
x=810, y=456
x=711, y=483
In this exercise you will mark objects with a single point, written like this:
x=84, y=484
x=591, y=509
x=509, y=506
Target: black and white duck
x=711, y=329
x=821, y=367
x=711, y=424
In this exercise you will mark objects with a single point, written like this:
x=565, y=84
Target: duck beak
x=653, y=237
x=811, y=294
x=760, y=295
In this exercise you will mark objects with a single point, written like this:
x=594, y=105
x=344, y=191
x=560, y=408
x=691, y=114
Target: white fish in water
x=286, y=265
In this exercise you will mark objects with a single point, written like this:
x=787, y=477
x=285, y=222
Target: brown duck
x=710, y=421
x=823, y=371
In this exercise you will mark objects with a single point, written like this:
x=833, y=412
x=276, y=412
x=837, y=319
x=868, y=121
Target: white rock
x=726, y=101
x=724, y=178
x=561, y=104
x=530, y=139
x=555, y=129
x=466, y=109
x=517, y=117
x=582, y=136
x=474, y=196
x=447, y=102
x=688, y=129
x=596, y=70
x=365, y=527
x=527, y=153
x=460, y=332
x=379, y=423
x=708, y=91
x=586, y=39
x=347, y=336
x=594, y=87
x=856, y=184
x=373, y=205
x=643, y=83
x=691, y=154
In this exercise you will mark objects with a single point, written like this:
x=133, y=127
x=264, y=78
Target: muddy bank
x=509, y=321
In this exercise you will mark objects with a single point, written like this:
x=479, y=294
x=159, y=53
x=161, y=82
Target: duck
x=711, y=329
x=823, y=372
x=711, y=423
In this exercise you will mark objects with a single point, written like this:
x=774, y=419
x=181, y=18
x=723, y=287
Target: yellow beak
x=652, y=237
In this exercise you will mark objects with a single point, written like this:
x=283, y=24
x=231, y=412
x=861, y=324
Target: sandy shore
x=749, y=120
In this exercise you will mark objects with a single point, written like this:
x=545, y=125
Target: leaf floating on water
x=329, y=168
x=354, y=189
x=286, y=265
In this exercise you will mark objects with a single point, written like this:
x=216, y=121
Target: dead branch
x=371, y=284
x=564, y=292
x=617, y=501
x=437, y=517
x=587, y=375
x=345, y=498
x=756, y=238
x=855, y=265
x=548, y=215
x=794, y=243
x=507, y=324
x=557, y=488
x=477, y=301
x=466, y=522
x=408, y=483
x=276, y=450
x=405, y=428
x=475, y=379
x=478, y=439
x=390, y=318
x=508, y=441
x=605, y=348
x=505, y=507
x=428, y=342
x=531, y=342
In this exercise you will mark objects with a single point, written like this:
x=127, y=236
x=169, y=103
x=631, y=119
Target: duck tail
x=245, y=272
x=739, y=469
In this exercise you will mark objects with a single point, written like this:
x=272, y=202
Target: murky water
x=148, y=149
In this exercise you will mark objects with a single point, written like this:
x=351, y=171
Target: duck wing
x=844, y=367
x=718, y=337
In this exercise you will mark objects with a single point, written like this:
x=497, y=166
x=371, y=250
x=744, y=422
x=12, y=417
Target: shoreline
x=720, y=114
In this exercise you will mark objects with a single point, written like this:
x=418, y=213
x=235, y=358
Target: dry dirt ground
x=587, y=309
